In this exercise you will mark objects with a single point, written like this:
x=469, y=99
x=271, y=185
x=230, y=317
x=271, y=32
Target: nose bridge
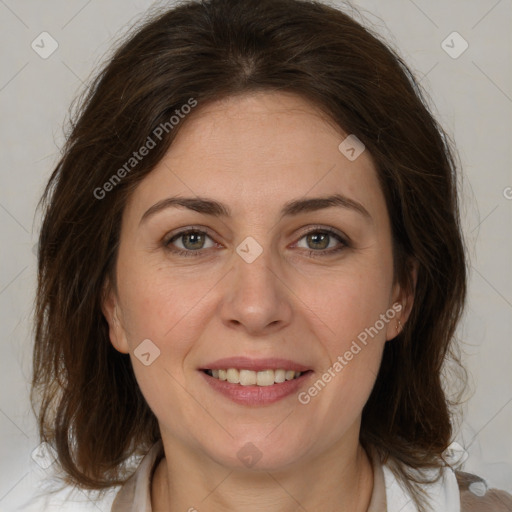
x=254, y=273
x=254, y=266
x=257, y=297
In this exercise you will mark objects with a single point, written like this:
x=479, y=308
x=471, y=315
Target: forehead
x=258, y=151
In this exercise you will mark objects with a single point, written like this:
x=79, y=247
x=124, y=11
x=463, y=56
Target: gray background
x=471, y=96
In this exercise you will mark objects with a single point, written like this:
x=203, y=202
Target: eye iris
x=315, y=238
x=196, y=240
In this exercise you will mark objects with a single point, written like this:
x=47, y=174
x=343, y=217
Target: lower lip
x=256, y=395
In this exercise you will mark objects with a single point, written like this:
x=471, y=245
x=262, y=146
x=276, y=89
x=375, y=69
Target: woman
x=251, y=269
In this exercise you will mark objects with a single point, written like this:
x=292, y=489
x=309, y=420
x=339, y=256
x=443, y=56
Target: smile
x=255, y=388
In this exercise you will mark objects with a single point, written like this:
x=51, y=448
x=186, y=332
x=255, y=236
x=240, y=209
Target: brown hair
x=89, y=404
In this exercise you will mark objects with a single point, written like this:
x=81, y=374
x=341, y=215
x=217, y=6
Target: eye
x=322, y=242
x=189, y=242
x=194, y=242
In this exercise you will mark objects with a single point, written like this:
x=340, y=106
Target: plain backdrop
x=470, y=92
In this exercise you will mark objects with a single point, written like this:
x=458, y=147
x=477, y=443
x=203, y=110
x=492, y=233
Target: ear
x=402, y=301
x=110, y=309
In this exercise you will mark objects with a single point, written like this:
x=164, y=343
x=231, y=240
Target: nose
x=256, y=298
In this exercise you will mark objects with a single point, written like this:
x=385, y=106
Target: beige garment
x=135, y=494
x=475, y=496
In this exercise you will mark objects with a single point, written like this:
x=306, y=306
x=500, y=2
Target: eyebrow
x=214, y=208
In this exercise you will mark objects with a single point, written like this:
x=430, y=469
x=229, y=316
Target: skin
x=254, y=153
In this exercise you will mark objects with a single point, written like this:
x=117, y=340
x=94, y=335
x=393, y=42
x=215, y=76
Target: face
x=278, y=255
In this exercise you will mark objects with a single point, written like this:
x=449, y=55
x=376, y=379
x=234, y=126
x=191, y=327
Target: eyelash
x=312, y=253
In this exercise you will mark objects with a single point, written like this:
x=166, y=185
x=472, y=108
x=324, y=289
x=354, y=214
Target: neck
x=333, y=482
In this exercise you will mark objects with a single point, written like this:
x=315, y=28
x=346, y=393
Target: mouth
x=253, y=382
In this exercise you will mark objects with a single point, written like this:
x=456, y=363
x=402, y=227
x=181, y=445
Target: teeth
x=265, y=378
x=251, y=378
x=279, y=375
x=233, y=376
x=247, y=378
x=289, y=374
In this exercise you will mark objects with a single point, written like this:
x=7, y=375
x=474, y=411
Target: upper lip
x=246, y=363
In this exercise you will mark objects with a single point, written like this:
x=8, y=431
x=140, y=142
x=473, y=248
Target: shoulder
x=46, y=491
x=476, y=496
x=445, y=490
x=69, y=499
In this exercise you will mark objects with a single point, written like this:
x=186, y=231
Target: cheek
x=349, y=300
x=167, y=308
x=351, y=312
x=158, y=300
